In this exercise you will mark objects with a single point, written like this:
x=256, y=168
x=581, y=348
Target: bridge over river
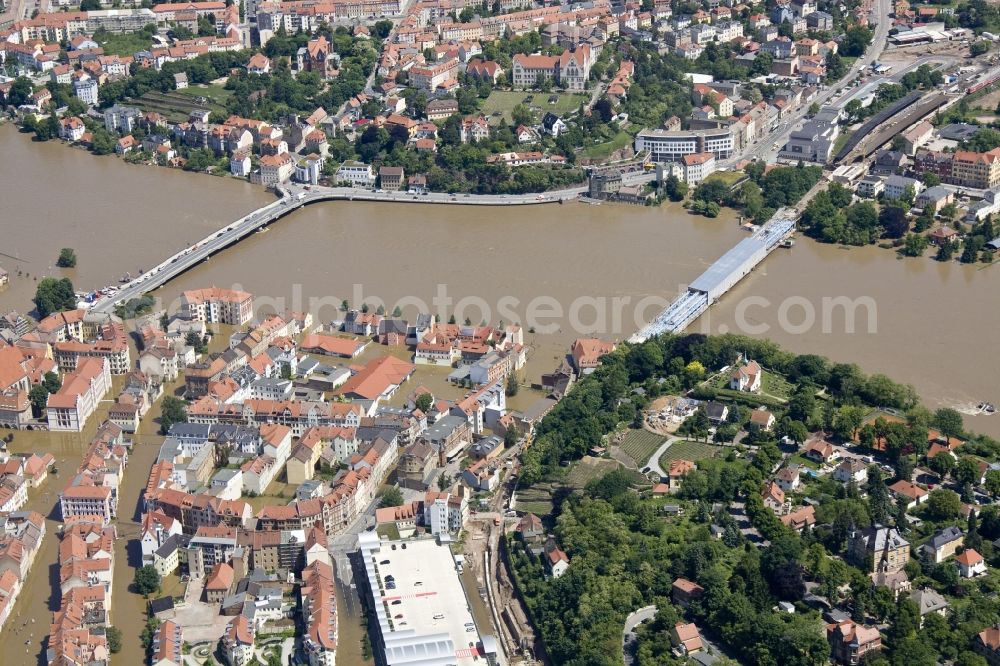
x=293, y=197
x=720, y=277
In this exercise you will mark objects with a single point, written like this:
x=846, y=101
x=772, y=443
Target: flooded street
x=935, y=325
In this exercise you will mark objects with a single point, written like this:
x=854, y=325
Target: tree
x=20, y=91
x=675, y=188
x=54, y=295
x=948, y=421
x=943, y=504
x=966, y=471
x=893, y=221
x=512, y=385
x=879, y=502
x=992, y=482
x=424, y=402
x=38, y=396
x=51, y=382
x=856, y=40
x=195, y=341
x=147, y=580
x=67, y=258
x=444, y=481
x=946, y=251
x=942, y=464
x=174, y=410
x=978, y=48
x=915, y=245
x=114, y=637
x=392, y=496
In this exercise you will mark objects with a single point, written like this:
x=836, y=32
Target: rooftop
x=432, y=622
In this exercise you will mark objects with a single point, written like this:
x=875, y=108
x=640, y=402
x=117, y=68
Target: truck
x=300, y=196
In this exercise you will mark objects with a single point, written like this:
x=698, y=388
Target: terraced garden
x=538, y=498
x=688, y=450
x=639, y=445
x=174, y=106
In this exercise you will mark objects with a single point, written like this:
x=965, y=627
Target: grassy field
x=639, y=445
x=175, y=106
x=214, y=93
x=603, y=150
x=538, y=498
x=124, y=44
x=841, y=141
x=587, y=469
x=688, y=450
x=775, y=390
x=502, y=102
x=776, y=385
x=729, y=178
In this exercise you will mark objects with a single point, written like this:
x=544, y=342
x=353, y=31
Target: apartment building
x=78, y=397
x=979, y=170
x=217, y=306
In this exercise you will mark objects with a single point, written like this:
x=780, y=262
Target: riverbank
x=928, y=333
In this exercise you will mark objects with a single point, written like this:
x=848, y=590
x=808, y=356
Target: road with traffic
x=763, y=149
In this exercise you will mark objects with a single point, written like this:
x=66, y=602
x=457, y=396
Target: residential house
x=787, y=478
x=909, y=492
x=850, y=641
x=970, y=564
x=943, y=544
x=851, y=469
x=686, y=639
x=676, y=472
x=878, y=548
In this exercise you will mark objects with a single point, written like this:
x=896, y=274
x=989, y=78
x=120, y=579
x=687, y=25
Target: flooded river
x=567, y=270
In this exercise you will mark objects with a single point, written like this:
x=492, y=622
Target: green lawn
x=603, y=150
x=503, y=102
x=802, y=461
x=213, y=92
x=729, y=178
x=124, y=44
x=776, y=385
x=639, y=445
x=688, y=450
x=585, y=470
x=841, y=141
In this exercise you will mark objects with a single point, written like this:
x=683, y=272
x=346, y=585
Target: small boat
x=986, y=407
x=788, y=242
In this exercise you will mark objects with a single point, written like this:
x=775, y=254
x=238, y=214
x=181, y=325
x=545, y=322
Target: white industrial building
x=421, y=615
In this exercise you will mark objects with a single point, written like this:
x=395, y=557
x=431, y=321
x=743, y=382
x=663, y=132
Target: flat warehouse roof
x=425, y=618
x=718, y=272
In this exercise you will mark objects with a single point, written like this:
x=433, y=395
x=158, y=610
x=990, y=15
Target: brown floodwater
x=934, y=324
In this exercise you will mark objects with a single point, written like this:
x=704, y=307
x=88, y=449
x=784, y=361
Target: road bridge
x=720, y=277
x=294, y=197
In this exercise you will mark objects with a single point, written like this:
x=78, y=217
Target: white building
x=86, y=90
x=670, y=146
x=697, y=167
x=424, y=579
x=896, y=186
x=357, y=174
